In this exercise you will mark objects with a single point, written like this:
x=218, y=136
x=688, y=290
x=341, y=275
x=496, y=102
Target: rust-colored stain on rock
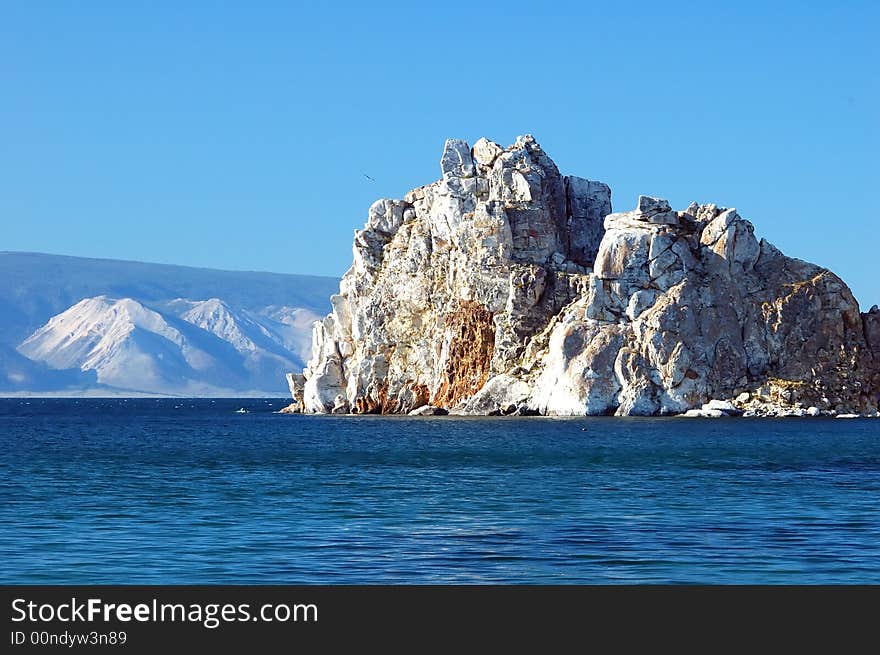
x=470, y=352
x=384, y=404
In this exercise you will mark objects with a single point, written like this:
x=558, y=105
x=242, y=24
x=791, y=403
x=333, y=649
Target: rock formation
x=506, y=287
x=872, y=335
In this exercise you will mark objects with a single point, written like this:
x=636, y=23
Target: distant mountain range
x=76, y=326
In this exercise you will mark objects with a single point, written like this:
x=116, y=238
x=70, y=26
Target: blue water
x=188, y=491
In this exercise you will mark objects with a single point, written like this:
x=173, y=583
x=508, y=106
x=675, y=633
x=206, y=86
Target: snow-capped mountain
x=181, y=347
x=156, y=341
x=91, y=333
x=248, y=331
x=128, y=345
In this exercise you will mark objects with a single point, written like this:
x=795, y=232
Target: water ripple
x=156, y=491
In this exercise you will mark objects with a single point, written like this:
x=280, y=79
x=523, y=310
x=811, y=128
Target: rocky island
x=506, y=287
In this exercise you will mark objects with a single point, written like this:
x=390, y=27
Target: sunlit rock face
x=506, y=287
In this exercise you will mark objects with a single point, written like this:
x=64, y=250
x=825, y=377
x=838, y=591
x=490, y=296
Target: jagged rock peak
x=506, y=287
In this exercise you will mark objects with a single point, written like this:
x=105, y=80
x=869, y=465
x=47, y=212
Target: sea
x=231, y=492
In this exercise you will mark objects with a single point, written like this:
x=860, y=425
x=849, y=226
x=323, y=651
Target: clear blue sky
x=236, y=137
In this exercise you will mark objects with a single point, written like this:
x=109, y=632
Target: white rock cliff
x=506, y=287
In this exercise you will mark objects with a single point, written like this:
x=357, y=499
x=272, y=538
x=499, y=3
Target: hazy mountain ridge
x=73, y=325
